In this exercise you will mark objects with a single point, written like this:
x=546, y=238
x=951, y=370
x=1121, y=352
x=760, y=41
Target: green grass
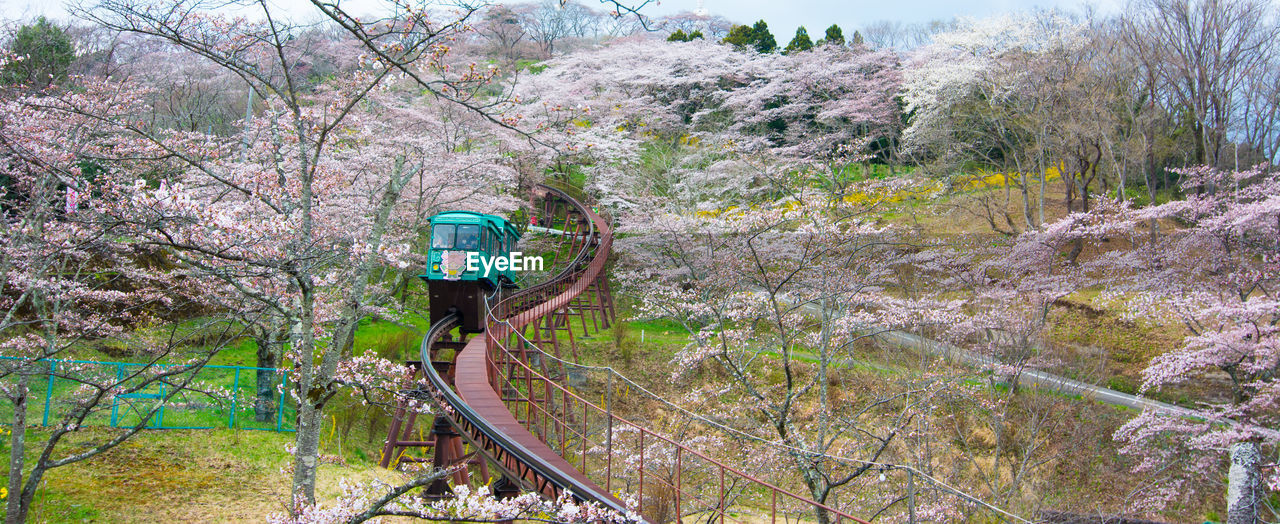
x=216, y=475
x=163, y=475
x=180, y=476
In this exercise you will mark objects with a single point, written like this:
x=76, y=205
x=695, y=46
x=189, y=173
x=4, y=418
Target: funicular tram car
x=455, y=236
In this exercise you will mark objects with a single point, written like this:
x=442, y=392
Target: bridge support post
x=448, y=452
x=400, y=433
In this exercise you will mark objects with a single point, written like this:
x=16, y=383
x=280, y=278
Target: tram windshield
x=442, y=236
x=468, y=237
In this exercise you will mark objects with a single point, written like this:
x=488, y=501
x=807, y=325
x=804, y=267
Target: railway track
x=509, y=414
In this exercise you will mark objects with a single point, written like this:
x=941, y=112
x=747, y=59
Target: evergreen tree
x=678, y=36
x=834, y=35
x=762, y=38
x=741, y=36
x=695, y=35
x=801, y=42
x=46, y=53
x=756, y=36
x=857, y=41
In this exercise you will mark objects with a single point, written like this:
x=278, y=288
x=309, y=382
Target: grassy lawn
x=178, y=475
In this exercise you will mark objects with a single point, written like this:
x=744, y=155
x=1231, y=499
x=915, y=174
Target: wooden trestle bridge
x=510, y=414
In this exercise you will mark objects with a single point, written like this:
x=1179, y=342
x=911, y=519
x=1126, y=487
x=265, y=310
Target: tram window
x=442, y=236
x=468, y=237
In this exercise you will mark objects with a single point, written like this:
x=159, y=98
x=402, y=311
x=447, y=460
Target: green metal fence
x=218, y=396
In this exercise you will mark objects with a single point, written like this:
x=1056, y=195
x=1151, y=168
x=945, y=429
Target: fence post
x=48, y=392
x=115, y=400
x=608, y=442
x=284, y=389
x=235, y=392
x=159, y=421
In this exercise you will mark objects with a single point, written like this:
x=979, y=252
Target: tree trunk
x=822, y=515
x=307, y=439
x=1077, y=247
x=307, y=457
x=315, y=378
x=1026, y=201
x=15, y=512
x=264, y=408
x=1244, y=484
x=1044, y=173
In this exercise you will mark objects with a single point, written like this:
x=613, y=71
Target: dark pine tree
x=834, y=35
x=763, y=39
x=801, y=42
x=741, y=36
x=46, y=53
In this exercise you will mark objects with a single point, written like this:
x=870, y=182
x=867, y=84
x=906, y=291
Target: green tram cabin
x=461, y=271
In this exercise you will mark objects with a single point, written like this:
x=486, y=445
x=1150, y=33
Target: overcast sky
x=783, y=16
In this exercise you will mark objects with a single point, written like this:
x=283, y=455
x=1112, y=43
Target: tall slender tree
x=800, y=42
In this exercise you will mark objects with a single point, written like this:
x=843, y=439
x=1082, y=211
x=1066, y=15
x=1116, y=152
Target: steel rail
x=472, y=420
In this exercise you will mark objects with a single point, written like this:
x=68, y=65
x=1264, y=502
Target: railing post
x=235, y=392
x=773, y=508
x=583, y=436
x=284, y=390
x=160, y=411
x=641, y=489
x=564, y=419
x=608, y=438
x=679, y=483
x=722, y=503
x=115, y=400
x=48, y=391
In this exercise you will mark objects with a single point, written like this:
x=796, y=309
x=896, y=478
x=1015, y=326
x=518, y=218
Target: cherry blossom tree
x=708, y=102
x=1214, y=275
x=552, y=22
x=504, y=29
x=361, y=503
x=72, y=276
x=328, y=184
x=1001, y=295
x=817, y=100
x=1217, y=277
x=991, y=91
x=390, y=170
x=713, y=27
x=773, y=298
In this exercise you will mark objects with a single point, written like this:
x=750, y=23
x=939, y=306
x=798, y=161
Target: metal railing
x=670, y=480
x=218, y=397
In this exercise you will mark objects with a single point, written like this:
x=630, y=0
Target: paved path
x=1030, y=377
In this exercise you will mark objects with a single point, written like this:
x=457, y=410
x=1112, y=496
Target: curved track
x=513, y=411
